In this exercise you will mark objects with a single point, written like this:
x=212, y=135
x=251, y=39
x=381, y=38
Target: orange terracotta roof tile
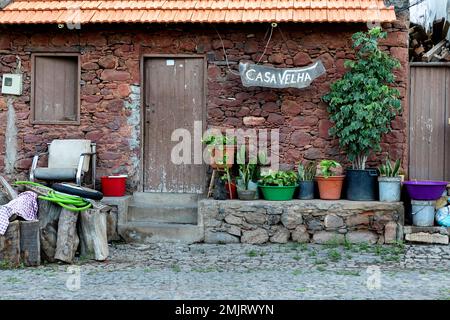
x=213, y=11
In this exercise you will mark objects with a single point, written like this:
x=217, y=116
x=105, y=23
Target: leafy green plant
x=363, y=103
x=247, y=169
x=389, y=170
x=307, y=171
x=326, y=168
x=279, y=178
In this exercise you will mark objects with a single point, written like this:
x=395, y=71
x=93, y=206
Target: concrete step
x=150, y=232
x=186, y=214
x=166, y=198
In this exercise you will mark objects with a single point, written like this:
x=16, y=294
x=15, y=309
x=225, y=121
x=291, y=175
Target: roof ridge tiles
x=43, y=11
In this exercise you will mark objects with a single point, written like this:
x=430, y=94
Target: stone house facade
x=112, y=89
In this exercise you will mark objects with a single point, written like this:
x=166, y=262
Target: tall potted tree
x=362, y=106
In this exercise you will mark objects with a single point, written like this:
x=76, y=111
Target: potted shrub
x=221, y=149
x=278, y=185
x=330, y=179
x=246, y=188
x=362, y=106
x=389, y=181
x=306, y=173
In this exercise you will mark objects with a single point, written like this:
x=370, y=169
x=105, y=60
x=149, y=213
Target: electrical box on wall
x=12, y=84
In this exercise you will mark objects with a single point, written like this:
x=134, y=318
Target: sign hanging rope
x=272, y=26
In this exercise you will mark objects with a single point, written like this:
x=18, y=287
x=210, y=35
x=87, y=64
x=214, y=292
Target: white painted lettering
x=247, y=74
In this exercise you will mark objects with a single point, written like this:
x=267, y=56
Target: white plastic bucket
x=423, y=213
x=389, y=189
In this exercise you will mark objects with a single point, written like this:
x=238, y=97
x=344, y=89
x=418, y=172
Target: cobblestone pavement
x=236, y=271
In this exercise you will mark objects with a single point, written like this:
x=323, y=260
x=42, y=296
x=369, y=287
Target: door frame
x=409, y=102
x=144, y=57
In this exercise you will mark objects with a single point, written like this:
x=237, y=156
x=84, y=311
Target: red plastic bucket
x=114, y=186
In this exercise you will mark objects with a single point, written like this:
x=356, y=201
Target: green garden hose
x=67, y=201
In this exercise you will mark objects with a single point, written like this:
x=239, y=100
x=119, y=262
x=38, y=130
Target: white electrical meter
x=12, y=84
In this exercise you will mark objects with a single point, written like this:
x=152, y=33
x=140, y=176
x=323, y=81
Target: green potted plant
x=221, y=149
x=278, y=185
x=330, y=179
x=389, y=181
x=362, y=106
x=246, y=189
x=306, y=173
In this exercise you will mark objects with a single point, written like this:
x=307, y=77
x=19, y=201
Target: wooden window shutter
x=56, y=89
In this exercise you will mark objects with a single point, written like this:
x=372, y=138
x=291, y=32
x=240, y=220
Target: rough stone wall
x=314, y=221
x=111, y=92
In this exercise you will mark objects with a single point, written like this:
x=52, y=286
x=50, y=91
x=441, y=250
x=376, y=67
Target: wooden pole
x=93, y=235
x=67, y=240
x=10, y=245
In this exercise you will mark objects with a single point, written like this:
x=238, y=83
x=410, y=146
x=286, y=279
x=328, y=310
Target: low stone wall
x=317, y=221
x=116, y=216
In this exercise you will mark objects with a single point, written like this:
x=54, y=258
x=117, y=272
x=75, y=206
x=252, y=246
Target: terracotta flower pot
x=217, y=155
x=330, y=188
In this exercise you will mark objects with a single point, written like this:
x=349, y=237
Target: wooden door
x=174, y=99
x=429, y=122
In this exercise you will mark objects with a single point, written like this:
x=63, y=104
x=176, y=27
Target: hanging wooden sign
x=253, y=75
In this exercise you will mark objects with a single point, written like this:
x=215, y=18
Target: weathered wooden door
x=430, y=122
x=174, y=99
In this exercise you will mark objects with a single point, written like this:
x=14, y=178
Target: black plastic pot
x=306, y=190
x=361, y=185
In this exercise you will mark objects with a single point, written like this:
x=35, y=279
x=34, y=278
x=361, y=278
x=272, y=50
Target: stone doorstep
x=430, y=230
x=430, y=238
x=429, y=235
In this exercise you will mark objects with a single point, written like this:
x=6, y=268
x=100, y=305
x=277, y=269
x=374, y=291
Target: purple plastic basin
x=425, y=190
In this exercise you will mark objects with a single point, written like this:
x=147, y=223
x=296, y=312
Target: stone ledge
x=316, y=221
x=431, y=230
x=430, y=238
x=429, y=235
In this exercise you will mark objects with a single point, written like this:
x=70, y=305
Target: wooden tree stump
x=48, y=225
x=10, y=192
x=93, y=235
x=3, y=199
x=67, y=239
x=30, y=249
x=10, y=245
